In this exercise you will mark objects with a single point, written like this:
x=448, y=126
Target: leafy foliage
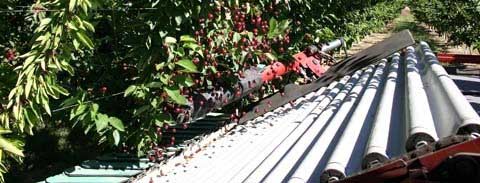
x=457, y=19
x=123, y=70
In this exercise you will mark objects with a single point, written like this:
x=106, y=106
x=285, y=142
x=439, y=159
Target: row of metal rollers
x=359, y=121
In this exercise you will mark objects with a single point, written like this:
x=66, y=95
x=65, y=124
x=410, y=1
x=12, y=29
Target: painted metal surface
x=458, y=58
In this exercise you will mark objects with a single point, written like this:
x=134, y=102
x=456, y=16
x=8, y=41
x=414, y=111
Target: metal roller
x=314, y=154
x=233, y=164
x=225, y=157
x=377, y=145
x=421, y=127
x=275, y=165
x=452, y=112
x=251, y=165
x=351, y=143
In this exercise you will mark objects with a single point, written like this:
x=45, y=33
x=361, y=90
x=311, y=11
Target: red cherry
x=178, y=110
x=10, y=54
x=255, y=31
x=151, y=158
x=196, y=60
x=211, y=16
x=244, y=40
x=103, y=89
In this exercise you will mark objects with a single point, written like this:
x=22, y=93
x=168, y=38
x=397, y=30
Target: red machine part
x=301, y=61
x=435, y=162
x=458, y=58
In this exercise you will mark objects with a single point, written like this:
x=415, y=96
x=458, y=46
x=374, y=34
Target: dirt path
x=420, y=32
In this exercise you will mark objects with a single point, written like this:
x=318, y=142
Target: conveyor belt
x=376, y=113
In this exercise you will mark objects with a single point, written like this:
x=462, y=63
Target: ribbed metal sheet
x=362, y=120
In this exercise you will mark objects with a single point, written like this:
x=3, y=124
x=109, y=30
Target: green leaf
x=46, y=106
x=188, y=65
x=116, y=137
x=93, y=110
x=184, y=80
x=28, y=87
x=4, y=131
x=101, y=122
x=174, y=94
x=154, y=85
x=162, y=118
x=272, y=27
x=71, y=5
x=84, y=39
x=141, y=110
x=164, y=78
x=79, y=110
x=187, y=38
x=271, y=56
x=159, y=66
x=170, y=40
x=72, y=26
x=236, y=37
x=8, y=146
x=60, y=89
x=130, y=90
x=117, y=123
x=192, y=46
x=178, y=20
x=89, y=26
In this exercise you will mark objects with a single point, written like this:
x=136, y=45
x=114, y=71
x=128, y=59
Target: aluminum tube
x=333, y=45
x=271, y=155
x=234, y=164
x=421, y=127
x=225, y=143
x=285, y=153
x=349, y=149
x=376, y=148
x=453, y=112
x=250, y=165
x=284, y=167
x=223, y=157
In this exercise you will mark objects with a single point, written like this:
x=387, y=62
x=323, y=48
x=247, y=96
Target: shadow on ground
x=419, y=32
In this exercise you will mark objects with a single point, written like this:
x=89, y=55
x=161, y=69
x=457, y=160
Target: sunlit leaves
x=187, y=65
x=174, y=94
x=458, y=20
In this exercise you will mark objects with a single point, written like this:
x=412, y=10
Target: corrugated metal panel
x=121, y=168
x=364, y=119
